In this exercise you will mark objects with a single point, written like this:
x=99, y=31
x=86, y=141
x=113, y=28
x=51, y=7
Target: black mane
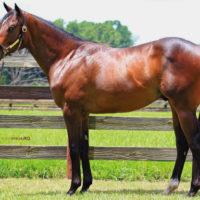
x=71, y=35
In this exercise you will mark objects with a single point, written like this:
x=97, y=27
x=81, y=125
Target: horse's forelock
x=5, y=18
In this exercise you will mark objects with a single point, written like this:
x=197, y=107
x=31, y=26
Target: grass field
x=113, y=170
x=51, y=189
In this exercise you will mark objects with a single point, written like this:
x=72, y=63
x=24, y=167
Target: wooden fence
x=96, y=122
x=49, y=104
x=56, y=122
x=20, y=60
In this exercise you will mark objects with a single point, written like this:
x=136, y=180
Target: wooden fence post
x=69, y=164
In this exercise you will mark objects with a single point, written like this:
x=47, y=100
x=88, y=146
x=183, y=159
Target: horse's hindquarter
x=181, y=71
x=127, y=79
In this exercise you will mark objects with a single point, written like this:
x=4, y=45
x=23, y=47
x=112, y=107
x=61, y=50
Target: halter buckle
x=24, y=28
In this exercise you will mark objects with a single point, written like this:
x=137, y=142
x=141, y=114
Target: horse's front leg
x=87, y=175
x=182, y=150
x=73, y=120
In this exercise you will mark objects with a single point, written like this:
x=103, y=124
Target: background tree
x=60, y=23
x=110, y=32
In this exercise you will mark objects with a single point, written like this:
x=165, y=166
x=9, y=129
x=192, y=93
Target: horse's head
x=12, y=29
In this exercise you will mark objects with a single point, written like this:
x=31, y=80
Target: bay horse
x=87, y=77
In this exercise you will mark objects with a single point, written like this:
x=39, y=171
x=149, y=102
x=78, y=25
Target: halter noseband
x=20, y=39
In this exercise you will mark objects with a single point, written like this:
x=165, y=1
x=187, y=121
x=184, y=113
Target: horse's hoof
x=192, y=192
x=70, y=192
x=86, y=187
x=169, y=190
x=173, y=185
x=166, y=191
x=73, y=188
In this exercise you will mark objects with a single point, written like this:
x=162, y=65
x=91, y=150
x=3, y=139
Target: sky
x=147, y=19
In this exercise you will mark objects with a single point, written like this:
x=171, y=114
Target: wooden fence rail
x=95, y=153
x=25, y=92
x=20, y=60
x=96, y=122
x=48, y=104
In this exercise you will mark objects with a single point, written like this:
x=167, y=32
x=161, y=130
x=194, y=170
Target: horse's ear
x=18, y=10
x=8, y=8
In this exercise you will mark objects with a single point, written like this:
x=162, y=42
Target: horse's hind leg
x=190, y=127
x=87, y=175
x=182, y=149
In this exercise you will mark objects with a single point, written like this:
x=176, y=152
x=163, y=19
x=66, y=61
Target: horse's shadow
x=135, y=191
x=124, y=192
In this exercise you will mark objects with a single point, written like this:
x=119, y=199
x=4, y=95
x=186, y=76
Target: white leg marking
x=173, y=184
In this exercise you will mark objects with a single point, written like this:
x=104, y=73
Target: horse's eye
x=10, y=29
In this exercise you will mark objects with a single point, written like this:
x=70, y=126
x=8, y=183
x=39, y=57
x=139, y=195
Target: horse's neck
x=46, y=43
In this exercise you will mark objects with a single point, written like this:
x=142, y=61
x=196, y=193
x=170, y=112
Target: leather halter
x=19, y=40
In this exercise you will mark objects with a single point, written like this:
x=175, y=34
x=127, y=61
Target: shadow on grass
x=123, y=192
x=136, y=191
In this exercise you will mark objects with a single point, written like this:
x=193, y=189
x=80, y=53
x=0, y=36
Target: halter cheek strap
x=20, y=39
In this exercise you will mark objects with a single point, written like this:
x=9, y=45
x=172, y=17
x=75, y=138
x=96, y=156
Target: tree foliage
x=60, y=23
x=110, y=32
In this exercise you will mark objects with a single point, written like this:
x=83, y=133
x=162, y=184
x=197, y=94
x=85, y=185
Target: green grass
x=115, y=170
x=57, y=112
x=51, y=189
